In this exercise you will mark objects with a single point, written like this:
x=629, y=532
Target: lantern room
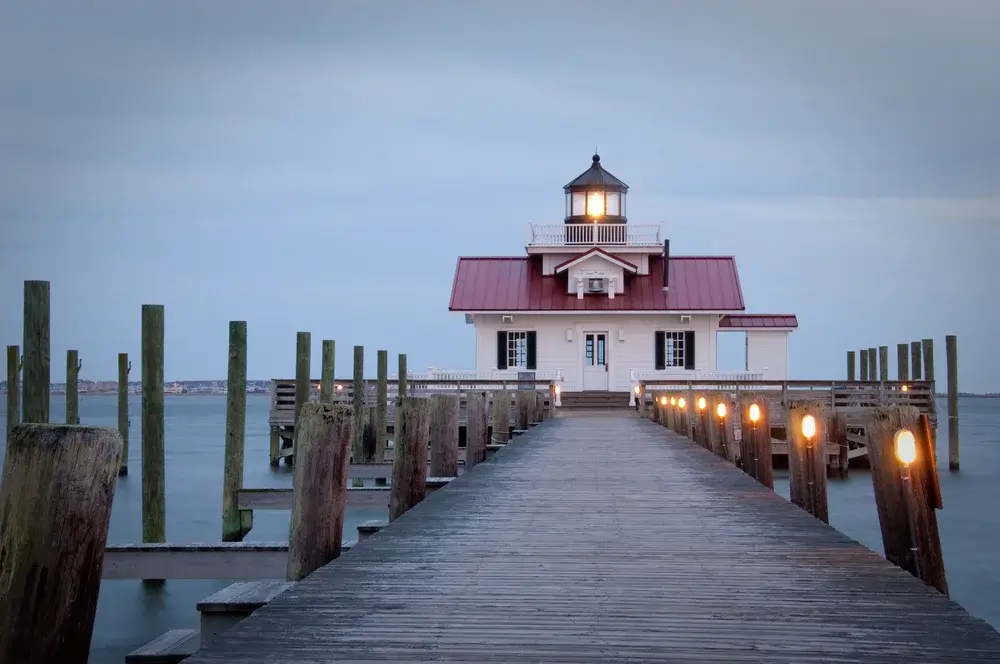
x=595, y=196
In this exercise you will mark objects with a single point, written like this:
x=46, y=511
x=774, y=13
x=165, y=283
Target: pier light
x=340, y=387
x=673, y=401
x=701, y=403
x=809, y=426
x=906, y=388
x=663, y=400
x=681, y=402
x=720, y=410
x=638, y=389
x=595, y=196
x=557, y=389
x=754, y=413
x=906, y=446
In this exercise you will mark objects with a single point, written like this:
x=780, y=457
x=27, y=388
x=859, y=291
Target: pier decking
x=607, y=538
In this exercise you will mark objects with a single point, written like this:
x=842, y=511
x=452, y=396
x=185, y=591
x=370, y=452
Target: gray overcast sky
x=320, y=166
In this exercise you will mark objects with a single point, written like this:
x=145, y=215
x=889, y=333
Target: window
x=579, y=203
x=516, y=349
x=674, y=350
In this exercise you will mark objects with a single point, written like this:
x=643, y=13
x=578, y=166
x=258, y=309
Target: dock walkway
x=607, y=539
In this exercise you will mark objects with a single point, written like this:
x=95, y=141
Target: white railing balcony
x=559, y=235
x=676, y=374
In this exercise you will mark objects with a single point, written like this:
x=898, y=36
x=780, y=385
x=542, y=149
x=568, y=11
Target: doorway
x=595, y=361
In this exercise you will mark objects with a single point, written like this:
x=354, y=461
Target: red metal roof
x=511, y=284
x=757, y=321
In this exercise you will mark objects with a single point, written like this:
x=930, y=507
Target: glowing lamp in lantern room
x=754, y=413
x=595, y=196
x=721, y=411
x=681, y=402
x=809, y=426
x=701, y=403
x=906, y=446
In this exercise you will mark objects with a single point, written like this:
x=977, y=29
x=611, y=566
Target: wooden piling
x=55, y=497
x=872, y=364
x=409, y=462
x=807, y=459
x=381, y=404
x=328, y=361
x=928, y=353
x=476, y=429
x=539, y=406
x=951, y=359
x=358, y=393
x=915, y=360
x=836, y=428
x=444, y=435
x=323, y=439
x=755, y=444
x=522, y=410
x=124, y=367
x=671, y=421
x=927, y=494
x=36, y=377
x=153, y=433
x=902, y=362
x=236, y=523
x=73, y=367
x=303, y=380
x=851, y=365
x=501, y=416
x=883, y=363
x=13, y=388
x=724, y=442
x=864, y=364
x=401, y=377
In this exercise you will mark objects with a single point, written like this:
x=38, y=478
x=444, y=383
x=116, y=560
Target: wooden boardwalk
x=607, y=539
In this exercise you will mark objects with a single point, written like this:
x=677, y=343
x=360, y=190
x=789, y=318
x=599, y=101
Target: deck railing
x=553, y=235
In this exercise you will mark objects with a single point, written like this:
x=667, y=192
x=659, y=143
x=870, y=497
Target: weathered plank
x=623, y=556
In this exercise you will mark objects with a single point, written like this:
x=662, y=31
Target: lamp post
x=720, y=410
x=754, y=415
x=906, y=452
x=809, y=432
x=702, y=424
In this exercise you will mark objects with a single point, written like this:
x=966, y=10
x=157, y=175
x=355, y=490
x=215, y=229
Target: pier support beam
x=236, y=523
x=476, y=429
x=36, y=377
x=444, y=435
x=13, y=388
x=328, y=364
x=951, y=358
x=755, y=445
x=73, y=367
x=902, y=362
x=501, y=416
x=124, y=424
x=409, y=461
x=154, y=511
x=806, y=433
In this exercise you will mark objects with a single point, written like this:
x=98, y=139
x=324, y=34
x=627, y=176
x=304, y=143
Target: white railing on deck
x=667, y=374
x=570, y=234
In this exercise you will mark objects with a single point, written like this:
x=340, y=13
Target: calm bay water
x=129, y=615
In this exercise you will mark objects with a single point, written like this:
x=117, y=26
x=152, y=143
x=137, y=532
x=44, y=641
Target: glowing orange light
x=754, y=413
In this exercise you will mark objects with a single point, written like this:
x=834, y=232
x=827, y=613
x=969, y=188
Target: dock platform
x=607, y=538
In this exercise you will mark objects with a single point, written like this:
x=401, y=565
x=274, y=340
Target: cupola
x=595, y=196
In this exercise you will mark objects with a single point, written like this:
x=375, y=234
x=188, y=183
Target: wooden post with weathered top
x=951, y=359
x=358, y=394
x=916, y=363
x=501, y=416
x=124, y=424
x=883, y=363
x=864, y=364
x=36, y=377
x=444, y=435
x=323, y=438
x=55, y=497
x=13, y=388
x=907, y=495
x=154, y=511
x=836, y=428
x=928, y=353
x=872, y=364
x=476, y=429
x=409, y=460
x=236, y=523
x=73, y=367
x=755, y=443
x=381, y=405
x=851, y=365
x=523, y=410
x=902, y=362
x=401, y=377
x=328, y=362
x=303, y=380
x=807, y=458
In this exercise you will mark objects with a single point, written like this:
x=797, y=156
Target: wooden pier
x=645, y=547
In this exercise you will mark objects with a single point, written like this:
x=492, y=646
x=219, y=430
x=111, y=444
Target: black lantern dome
x=595, y=196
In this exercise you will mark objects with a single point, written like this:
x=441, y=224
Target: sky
x=321, y=166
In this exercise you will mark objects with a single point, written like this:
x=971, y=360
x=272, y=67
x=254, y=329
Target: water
x=129, y=615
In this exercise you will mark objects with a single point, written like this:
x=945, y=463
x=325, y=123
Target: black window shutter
x=659, y=350
x=501, y=350
x=689, y=349
x=532, y=357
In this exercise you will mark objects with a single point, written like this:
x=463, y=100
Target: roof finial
x=596, y=157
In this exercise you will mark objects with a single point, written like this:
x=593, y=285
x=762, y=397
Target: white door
x=595, y=361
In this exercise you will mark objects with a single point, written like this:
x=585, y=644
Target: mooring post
x=872, y=364
x=409, y=459
x=523, y=409
x=902, y=362
x=755, y=425
x=13, y=388
x=721, y=417
x=539, y=407
x=915, y=360
x=883, y=363
x=55, y=497
x=124, y=367
x=951, y=359
x=928, y=353
x=236, y=523
x=328, y=363
x=323, y=439
x=401, y=386
x=381, y=405
x=153, y=433
x=303, y=380
x=444, y=435
x=35, y=366
x=837, y=433
x=501, y=416
x=476, y=429
x=851, y=365
x=864, y=364
x=807, y=458
x=904, y=475
x=73, y=367
x=358, y=394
